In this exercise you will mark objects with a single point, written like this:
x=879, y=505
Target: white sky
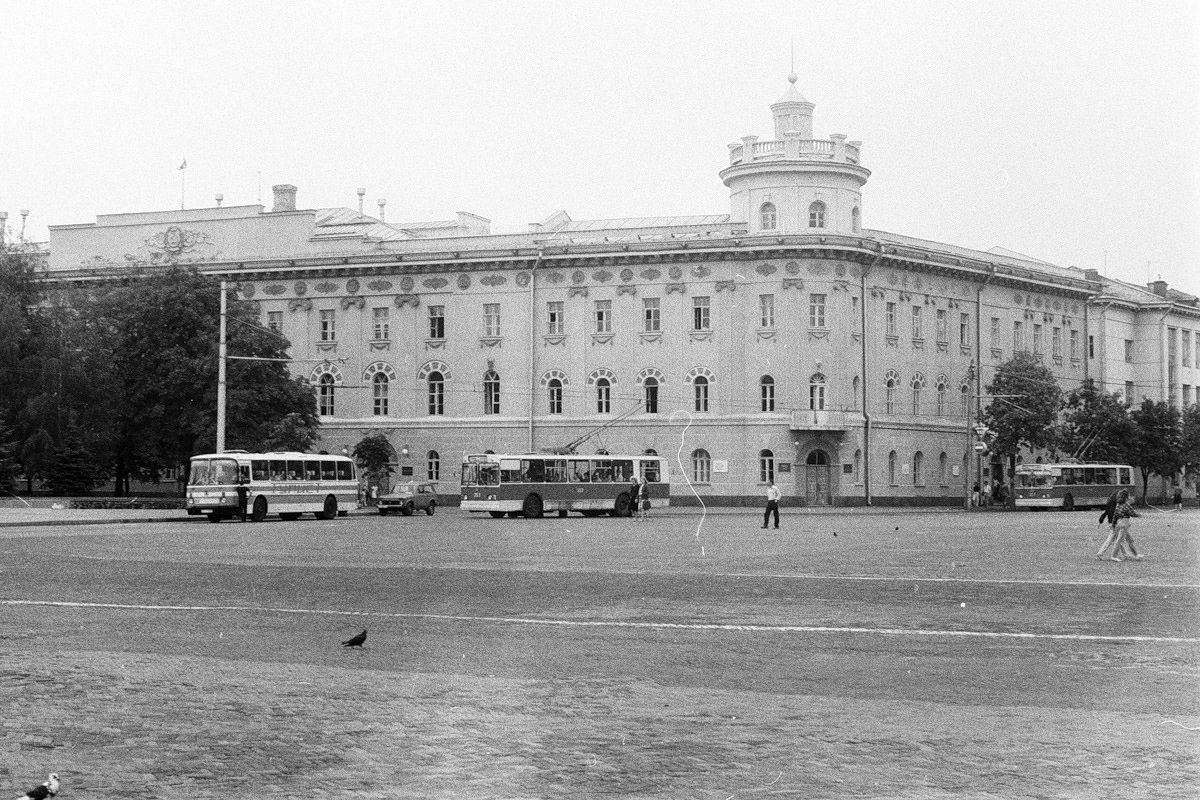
x=1062, y=130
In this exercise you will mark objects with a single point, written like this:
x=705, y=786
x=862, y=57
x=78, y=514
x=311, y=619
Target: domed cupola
x=795, y=183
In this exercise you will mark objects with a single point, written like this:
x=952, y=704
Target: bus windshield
x=214, y=472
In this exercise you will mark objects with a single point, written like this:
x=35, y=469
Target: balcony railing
x=822, y=420
x=836, y=149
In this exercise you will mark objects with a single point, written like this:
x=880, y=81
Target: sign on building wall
x=720, y=466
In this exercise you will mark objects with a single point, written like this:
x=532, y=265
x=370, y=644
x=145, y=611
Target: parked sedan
x=409, y=497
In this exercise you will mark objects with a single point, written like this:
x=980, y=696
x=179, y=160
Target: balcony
x=753, y=151
x=823, y=420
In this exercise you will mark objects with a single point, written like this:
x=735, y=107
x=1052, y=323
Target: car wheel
x=382, y=511
x=214, y=517
x=497, y=514
x=408, y=509
x=429, y=508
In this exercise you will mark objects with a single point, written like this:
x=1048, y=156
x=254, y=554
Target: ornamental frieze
x=175, y=245
x=300, y=288
x=765, y=270
x=434, y=283
x=464, y=281
x=522, y=279
x=577, y=291
x=726, y=286
x=793, y=283
x=626, y=289
x=381, y=286
x=299, y=303
x=603, y=276
x=352, y=286
x=403, y=300
x=325, y=287
x=274, y=289
x=493, y=280
x=626, y=275
x=651, y=274
x=556, y=277
x=676, y=287
x=353, y=302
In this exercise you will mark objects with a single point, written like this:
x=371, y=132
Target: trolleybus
x=532, y=484
x=1068, y=485
x=287, y=484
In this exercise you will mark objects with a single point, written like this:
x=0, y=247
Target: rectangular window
x=604, y=316
x=1056, y=342
x=328, y=325
x=1091, y=346
x=1037, y=340
x=1074, y=345
x=890, y=320
x=1018, y=338
x=275, y=322
x=1129, y=350
x=1128, y=393
x=816, y=311
x=995, y=333
x=943, y=332
x=1187, y=395
x=766, y=310
x=964, y=330
x=651, y=316
x=916, y=322
x=1186, y=342
x=701, y=314
x=381, y=324
x=554, y=318
x=491, y=320
x=437, y=322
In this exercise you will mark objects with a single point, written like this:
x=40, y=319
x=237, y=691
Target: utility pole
x=970, y=435
x=221, y=375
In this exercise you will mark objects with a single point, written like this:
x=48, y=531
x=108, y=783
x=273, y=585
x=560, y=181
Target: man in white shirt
x=773, y=495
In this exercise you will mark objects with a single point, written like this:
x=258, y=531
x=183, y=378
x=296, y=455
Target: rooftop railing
x=794, y=149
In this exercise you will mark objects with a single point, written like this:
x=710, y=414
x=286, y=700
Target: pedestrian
x=1125, y=515
x=635, y=490
x=773, y=495
x=644, y=498
x=1109, y=515
x=1177, y=498
x=975, y=495
x=243, y=493
x=987, y=494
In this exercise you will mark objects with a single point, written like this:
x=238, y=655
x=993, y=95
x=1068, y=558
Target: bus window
x=278, y=470
x=622, y=470
x=601, y=471
x=556, y=471
x=533, y=470
x=328, y=471
x=201, y=473
x=1089, y=475
x=579, y=471
x=510, y=470
x=311, y=470
x=1126, y=476
x=345, y=470
x=295, y=470
x=650, y=471
x=1068, y=476
x=224, y=471
x=243, y=473
x=260, y=471
x=1106, y=475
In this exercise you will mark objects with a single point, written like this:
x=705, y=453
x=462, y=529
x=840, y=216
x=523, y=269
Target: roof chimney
x=382, y=203
x=285, y=197
x=1159, y=287
x=1092, y=275
x=220, y=198
x=361, y=193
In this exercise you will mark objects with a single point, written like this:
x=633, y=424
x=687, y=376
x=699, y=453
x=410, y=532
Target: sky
x=1067, y=131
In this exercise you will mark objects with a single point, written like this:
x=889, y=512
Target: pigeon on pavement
x=47, y=789
x=355, y=641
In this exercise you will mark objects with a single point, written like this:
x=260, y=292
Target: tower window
x=816, y=215
x=768, y=216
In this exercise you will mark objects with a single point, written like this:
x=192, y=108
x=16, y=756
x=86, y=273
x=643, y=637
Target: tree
x=1096, y=426
x=9, y=466
x=374, y=454
x=1190, y=441
x=1158, y=444
x=1025, y=406
x=73, y=469
x=295, y=432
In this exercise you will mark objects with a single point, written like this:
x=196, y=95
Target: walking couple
x=1119, y=513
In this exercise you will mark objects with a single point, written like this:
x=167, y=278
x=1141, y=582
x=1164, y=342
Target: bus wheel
x=497, y=514
x=330, y=511
x=259, y=512
x=1068, y=503
x=532, y=507
x=213, y=516
x=429, y=509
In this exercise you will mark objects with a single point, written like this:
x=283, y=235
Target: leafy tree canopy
x=1025, y=403
x=1096, y=426
x=374, y=455
x=1158, y=445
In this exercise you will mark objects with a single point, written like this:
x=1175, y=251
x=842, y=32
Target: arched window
x=816, y=215
x=766, y=466
x=767, y=216
x=603, y=396
x=965, y=400
x=491, y=392
x=858, y=466
x=917, y=384
x=436, y=384
x=891, y=381
x=650, y=395
x=766, y=391
x=816, y=392
x=855, y=219
x=892, y=468
x=325, y=390
x=433, y=464
x=941, y=395
x=554, y=389
x=701, y=466
x=943, y=463
x=379, y=385
x=700, y=392
x=918, y=463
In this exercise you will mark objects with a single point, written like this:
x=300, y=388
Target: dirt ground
x=932, y=656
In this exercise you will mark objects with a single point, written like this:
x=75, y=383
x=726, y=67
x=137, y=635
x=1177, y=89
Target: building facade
x=781, y=341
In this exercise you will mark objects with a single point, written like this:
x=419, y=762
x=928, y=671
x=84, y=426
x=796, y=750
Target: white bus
x=287, y=484
x=531, y=484
x=1069, y=486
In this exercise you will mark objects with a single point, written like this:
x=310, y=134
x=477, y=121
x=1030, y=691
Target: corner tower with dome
x=795, y=183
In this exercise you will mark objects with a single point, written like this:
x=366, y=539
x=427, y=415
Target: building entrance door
x=817, y=479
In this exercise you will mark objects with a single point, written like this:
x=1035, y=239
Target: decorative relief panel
x=406, y=284
x=817, y=268
x=626, y=275
x=352, y=286
x=353, y=302
x=766, y=334
x=494, y=280
x=841, y=286
x=700, y=336
x=627, y=289
x=675, y=273
x=554, y=339
x=726, y=286
x=675, y=287
x=793, y=283
x=246, y=290
x=325, y=287
x=765, y=269
x=383, y=286
x=522, y=279
x=274, y=289
x=577, y=291
x=650, y=274
x=556, y=277
x=818, y=333
x=791, y=268
x=651, y=337
x=700, y=271
x=300, y=288
x=578, y=277
x=175, y=245
x=403, y=300
x=491, y=341
x=840, y=270
x=434, y=283
x=603, y=276
x=602, y=338
x=464, y=281
x=297, y=303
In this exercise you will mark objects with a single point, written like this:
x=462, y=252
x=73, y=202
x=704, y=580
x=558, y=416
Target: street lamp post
x=221, y=349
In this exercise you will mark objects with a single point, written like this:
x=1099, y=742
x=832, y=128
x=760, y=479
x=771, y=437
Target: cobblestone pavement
x=578, y=659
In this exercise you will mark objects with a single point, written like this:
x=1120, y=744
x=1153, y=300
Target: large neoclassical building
x=783, y=340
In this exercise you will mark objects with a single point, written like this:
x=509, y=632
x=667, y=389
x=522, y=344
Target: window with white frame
x=701, y=466
x=437, y=322
x=1018, y=338
x=890, y=319
x=651, y=315
x=816, y=392
x=941, y=395
x=964, y=405
x=855, y=219
x=917, y=384
x=943, y=334
x=328, y=325
x=491, y=392
x=325, y=395
x=892, y=468
x=433, y=465
x=379, y=387
x=768, y=217
x=916, y=323
x=435, y=385
x=1056, y=342
x=701, y=314
x=603, y=396
x=1073, y=344
x=1037, y=339
x=816, y=311
x=650, y=395
x=964, y=330
x=381, y=327
x=766, y=310
x=943, y=466
x=1129, y=351
x=554, y=396
x=700, y=393
x=816, y=215
x=604, y=316
x=918, y=465
x=491, y=320
x=766, y=393
x=554, y=318
x=766, y=466
x=890, y=382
